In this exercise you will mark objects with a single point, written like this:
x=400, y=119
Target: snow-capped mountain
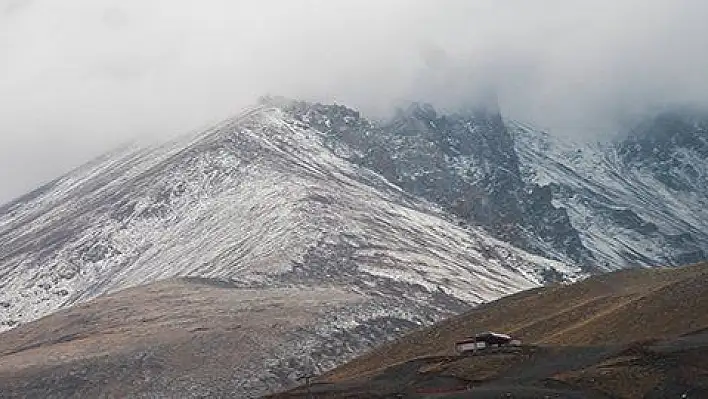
x=464, y=162
x=421, y=216
x=637, y=201
x=260, y=201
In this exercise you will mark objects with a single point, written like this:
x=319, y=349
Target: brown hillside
x=615, y=308
x=176, y=338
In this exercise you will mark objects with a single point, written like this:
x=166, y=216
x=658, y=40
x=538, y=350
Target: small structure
x=485, y=340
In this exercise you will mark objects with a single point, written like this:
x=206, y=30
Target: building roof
x=490, y=334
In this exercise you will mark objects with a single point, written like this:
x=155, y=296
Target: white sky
x=78, y=77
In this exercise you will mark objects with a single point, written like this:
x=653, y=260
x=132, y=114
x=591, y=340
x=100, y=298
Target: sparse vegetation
x=626, y=334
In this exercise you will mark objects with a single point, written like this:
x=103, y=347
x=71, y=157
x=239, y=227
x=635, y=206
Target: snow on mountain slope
x=258, y=200
x=399, y=215
x=463, y=162
x=625, y=212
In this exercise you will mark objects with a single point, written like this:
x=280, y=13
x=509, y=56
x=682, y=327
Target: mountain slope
x=618, y=195
x=623, y=334
x=419, y=217
x=464, y=162
x=259, y=202
x=180, y=337
x=600, y=207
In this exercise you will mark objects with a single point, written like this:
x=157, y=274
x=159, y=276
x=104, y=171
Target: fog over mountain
x=78, y=77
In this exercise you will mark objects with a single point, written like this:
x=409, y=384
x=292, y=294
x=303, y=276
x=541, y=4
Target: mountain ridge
x=260, y=204
x=419, y=217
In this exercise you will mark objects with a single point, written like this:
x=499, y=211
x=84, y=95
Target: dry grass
x=622, y=380
x=157, y=338
x=617, y=308
x=480, y=368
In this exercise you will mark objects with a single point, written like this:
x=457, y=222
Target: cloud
x=78, y=77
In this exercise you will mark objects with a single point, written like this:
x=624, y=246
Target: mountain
x=632, y=333
x=259, y=203
x=638, y=201
x=465, y=162
x=634, y=201
x=399, y=223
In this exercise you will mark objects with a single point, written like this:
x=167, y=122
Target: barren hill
x=625, y=334
x=176, y=338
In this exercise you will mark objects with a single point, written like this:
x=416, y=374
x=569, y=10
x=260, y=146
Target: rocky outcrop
x=463, y=162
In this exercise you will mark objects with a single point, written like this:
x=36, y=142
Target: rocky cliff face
x=466, y=163
x=638, y=201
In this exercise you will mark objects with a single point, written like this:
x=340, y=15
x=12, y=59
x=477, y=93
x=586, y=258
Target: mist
x=79, y=77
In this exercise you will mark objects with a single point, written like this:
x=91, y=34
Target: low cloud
x=78, y=77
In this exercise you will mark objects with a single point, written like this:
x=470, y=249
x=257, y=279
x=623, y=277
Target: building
x=485, y=340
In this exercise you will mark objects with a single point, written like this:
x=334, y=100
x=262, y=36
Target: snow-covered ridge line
x=249, y=199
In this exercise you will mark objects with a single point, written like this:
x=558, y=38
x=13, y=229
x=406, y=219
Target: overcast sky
x=78, y=77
